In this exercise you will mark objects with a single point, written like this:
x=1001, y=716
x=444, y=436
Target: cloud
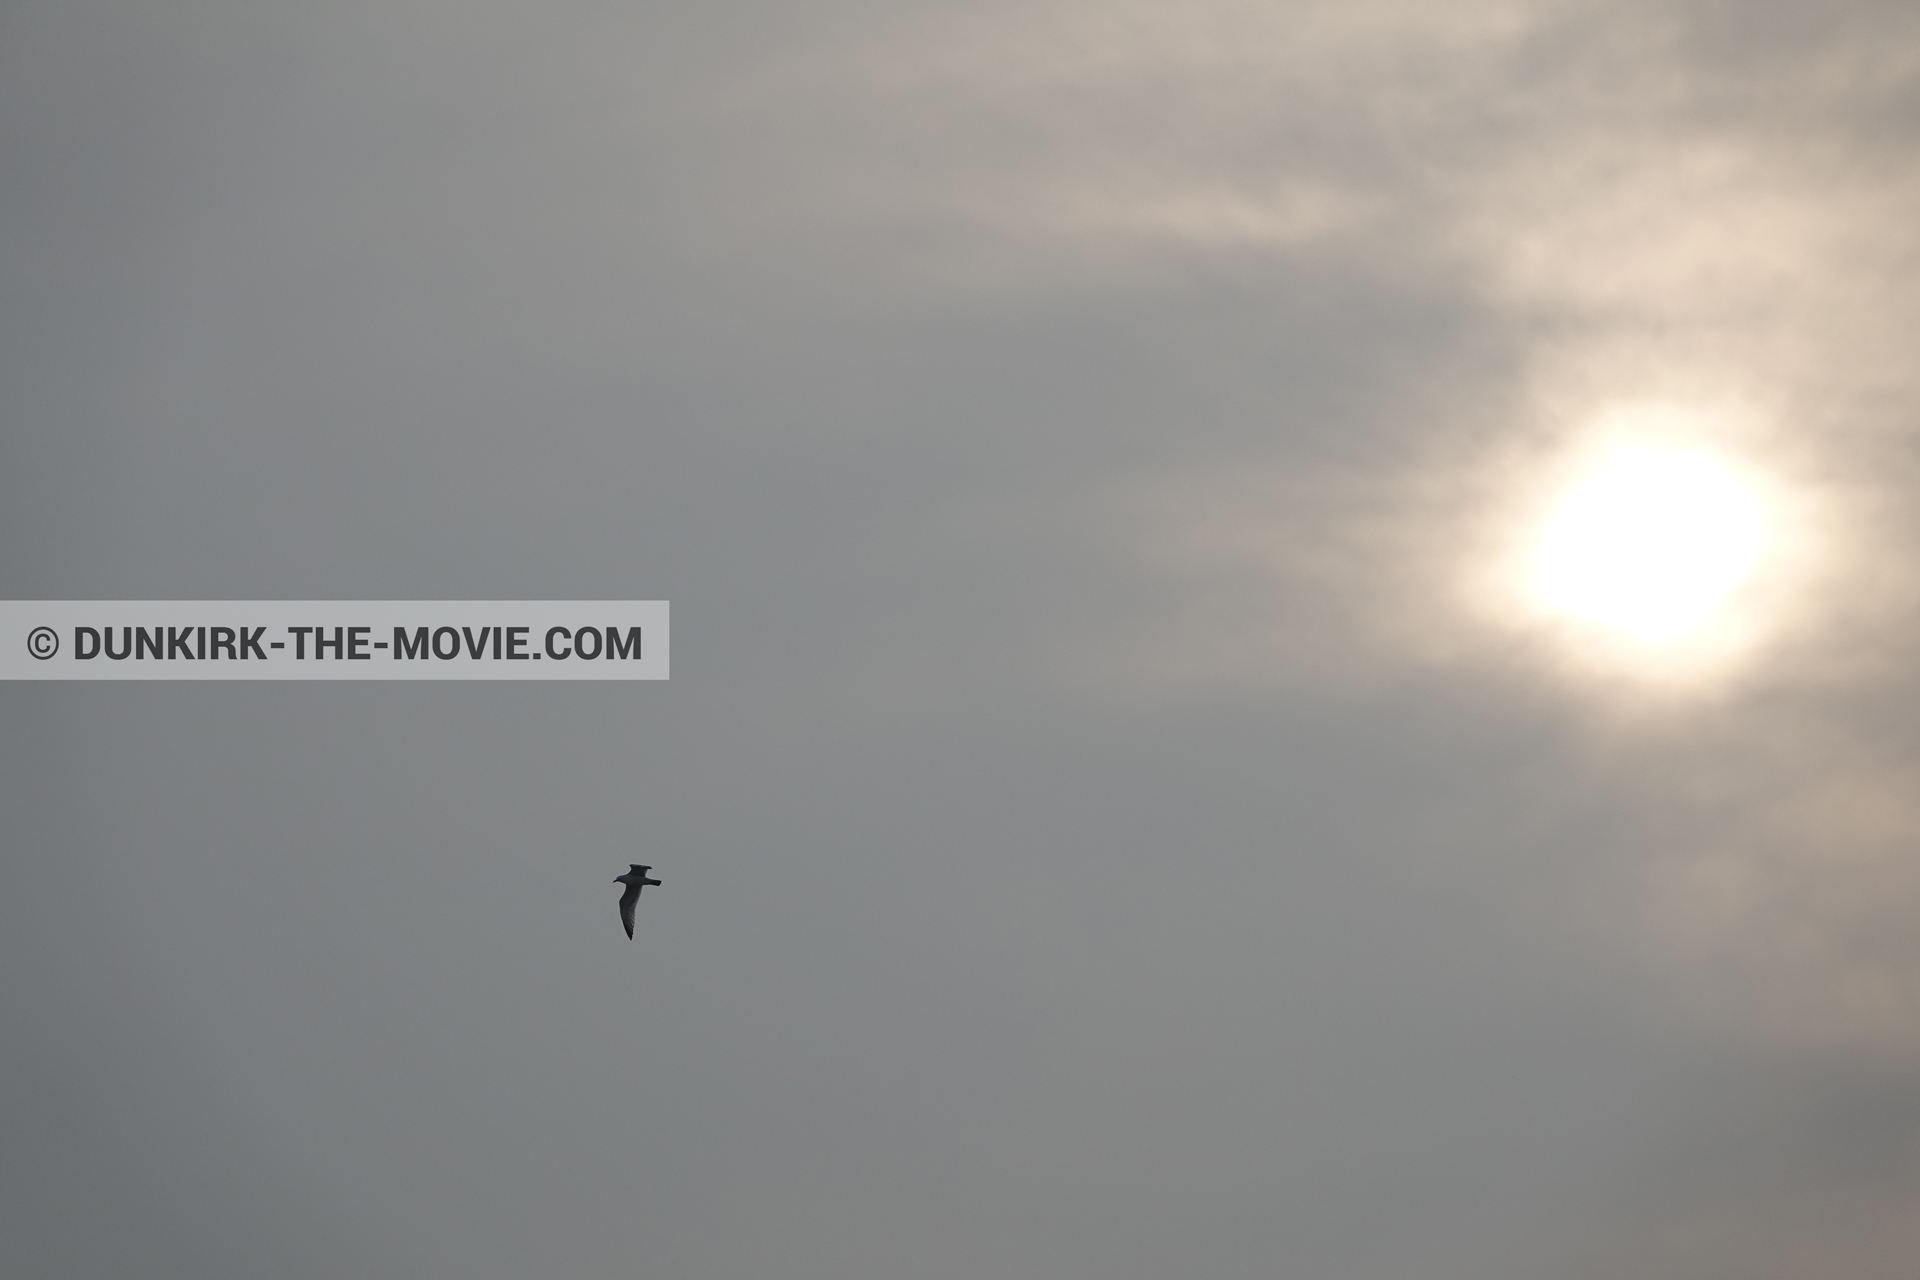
x=1679, y=205
x=1222, y=346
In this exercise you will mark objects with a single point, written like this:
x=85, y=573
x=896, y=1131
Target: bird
x=635, y=880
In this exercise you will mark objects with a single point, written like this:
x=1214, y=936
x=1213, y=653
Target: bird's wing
x=627, y=899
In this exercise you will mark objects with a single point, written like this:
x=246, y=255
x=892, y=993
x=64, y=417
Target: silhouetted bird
x=635, y=880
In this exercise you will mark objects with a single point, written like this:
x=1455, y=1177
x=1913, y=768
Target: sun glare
x=1650, y=543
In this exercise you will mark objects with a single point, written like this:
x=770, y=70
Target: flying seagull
x=635, y=880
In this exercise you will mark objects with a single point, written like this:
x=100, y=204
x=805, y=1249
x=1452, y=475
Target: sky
x=1128, y=804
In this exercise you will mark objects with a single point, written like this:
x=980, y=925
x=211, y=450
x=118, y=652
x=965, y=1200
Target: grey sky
x=1106, y=828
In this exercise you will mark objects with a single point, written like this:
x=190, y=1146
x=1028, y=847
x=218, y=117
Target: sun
x=1650, y=542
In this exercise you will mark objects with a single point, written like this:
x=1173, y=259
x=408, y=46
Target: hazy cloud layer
x=1116, y=819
